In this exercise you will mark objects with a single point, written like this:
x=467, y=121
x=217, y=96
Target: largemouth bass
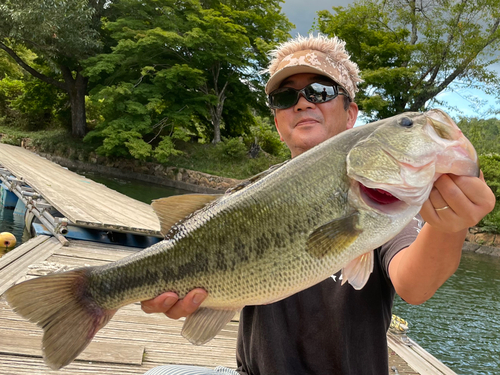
x=283, y=231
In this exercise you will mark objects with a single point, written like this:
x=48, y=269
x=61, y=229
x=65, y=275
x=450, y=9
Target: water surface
x=460, y=324
x=13, y=224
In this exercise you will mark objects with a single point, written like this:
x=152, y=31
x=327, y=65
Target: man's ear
x=277, y=128
x=352, y=115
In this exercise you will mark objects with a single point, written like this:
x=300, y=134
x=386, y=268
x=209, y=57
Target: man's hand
x=455, y=204
x=466, y=200
x=170, y=304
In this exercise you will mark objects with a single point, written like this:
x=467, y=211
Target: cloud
x=302, y=13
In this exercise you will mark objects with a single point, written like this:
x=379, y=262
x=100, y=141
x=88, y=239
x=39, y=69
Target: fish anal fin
x=334, y=236
x=205, y=323
x=58, y=304
x=171, y=210
x=358, y=271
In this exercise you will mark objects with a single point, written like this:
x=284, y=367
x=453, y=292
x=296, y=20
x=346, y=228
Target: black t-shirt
x=327, y=329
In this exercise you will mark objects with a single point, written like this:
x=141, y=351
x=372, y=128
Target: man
x=331, y=328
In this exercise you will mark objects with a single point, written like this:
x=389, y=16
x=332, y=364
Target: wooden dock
x=82, y=201
x=133, y=341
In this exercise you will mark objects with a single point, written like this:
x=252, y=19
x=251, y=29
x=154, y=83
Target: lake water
x=13, y=224
x=460, y=325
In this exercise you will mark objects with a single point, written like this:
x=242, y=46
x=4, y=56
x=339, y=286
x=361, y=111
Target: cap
x=321, y=55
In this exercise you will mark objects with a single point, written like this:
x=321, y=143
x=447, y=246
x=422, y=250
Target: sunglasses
x=317, y=93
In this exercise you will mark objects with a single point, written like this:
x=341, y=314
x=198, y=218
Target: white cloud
x=302, y=13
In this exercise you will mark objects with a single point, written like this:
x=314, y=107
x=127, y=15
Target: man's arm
x=419, y=270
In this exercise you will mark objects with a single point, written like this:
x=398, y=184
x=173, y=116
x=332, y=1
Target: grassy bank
x=229, y=159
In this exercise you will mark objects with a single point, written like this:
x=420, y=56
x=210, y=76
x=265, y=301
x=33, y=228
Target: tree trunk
x=76, y=88
x=216, y=124
x=216, y=110
x=216, y=117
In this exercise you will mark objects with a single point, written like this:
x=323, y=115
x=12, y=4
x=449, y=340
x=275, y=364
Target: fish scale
x=277, y=234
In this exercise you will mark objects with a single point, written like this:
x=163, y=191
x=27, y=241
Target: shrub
x=266, y=136
x=232, y=148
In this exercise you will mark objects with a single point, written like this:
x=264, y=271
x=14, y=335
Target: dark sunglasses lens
x=284, y=98
x=321, y=93
x=314, y=93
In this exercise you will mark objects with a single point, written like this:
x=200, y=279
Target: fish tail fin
x=61, y=305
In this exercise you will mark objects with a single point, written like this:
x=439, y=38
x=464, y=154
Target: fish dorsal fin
x=205, y=323
x=358, y=271
x=334, y=236
x=170, y=210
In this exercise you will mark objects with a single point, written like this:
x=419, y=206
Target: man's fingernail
x=169, y=301
x=198, y=298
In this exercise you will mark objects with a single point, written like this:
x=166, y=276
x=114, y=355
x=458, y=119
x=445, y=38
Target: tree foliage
x=26, y=101
x=410, y=51
x=181, y=67
x=490, y=165
x=484, y=134
x=61, y=34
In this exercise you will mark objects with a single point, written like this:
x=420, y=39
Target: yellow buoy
x=7, y=240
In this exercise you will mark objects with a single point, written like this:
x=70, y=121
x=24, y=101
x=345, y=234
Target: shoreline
x=180, y=178
x=482, y=242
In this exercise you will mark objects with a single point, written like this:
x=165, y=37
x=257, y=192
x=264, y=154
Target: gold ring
x=442, y=208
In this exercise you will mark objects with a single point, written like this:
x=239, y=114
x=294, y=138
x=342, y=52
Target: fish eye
x=406, y=122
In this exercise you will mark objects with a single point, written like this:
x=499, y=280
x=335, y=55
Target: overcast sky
x=303, y=12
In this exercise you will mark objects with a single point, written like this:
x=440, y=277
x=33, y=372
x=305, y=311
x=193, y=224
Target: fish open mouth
x=378, y=195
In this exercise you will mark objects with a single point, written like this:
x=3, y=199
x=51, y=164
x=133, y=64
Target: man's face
x=305, y=125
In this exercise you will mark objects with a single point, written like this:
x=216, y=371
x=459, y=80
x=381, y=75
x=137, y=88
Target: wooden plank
x=76, y=262
x=94, y=254
x=20, y=251
x=12, y=273
x=22, y=365
x=81, y=200
x=22, y=343
x=398, y=365
x=432, y=360
x=414, y=358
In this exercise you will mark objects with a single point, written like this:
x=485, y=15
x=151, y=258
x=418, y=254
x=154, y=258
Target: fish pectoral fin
x=358, y=271
x=205, y=323
x=170, y=210
x=334, y=236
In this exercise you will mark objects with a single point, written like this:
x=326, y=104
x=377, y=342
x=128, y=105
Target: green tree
x=410, y=51
x=483, y=134
x=191, y=57
x=25, y=100
x=62, y=34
